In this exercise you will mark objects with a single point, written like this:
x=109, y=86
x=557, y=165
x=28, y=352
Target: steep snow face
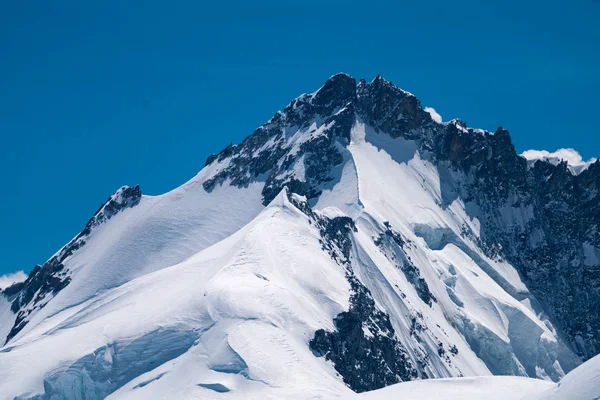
x=456, y=310
x=350, y=243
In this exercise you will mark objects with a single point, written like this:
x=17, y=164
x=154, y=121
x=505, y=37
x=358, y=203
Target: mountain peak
x=390, y=109
x=338, y=90
x=385, y=106
x=299, y=146
x=341, y=76
x=380, y=80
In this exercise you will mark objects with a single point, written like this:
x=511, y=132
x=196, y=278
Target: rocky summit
x=350, y=243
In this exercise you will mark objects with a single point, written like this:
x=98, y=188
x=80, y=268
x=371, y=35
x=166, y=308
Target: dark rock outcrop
x=363, y=348
x=389, y=109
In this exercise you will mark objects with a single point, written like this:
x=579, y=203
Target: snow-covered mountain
x=349, y=244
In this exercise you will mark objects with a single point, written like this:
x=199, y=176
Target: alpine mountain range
x=350, y=243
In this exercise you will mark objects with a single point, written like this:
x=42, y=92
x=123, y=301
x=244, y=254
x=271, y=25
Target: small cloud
x=434, y=115
x=8, y=279
x=535, y=154
x=571, y=156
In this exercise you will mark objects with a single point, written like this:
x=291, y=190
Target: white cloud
x=9, y=279
x=434, y=115
x=571, y=156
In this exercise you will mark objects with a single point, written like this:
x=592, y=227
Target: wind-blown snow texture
x=350, y=243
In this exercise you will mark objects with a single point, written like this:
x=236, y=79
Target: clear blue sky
x=95, y=95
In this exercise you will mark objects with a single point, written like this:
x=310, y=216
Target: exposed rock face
x=46, y=281
x=390, y=109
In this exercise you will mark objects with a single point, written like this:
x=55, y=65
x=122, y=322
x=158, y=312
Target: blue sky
x=95, y=95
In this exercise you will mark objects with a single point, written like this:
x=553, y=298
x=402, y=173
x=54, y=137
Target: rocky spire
x=390, y=109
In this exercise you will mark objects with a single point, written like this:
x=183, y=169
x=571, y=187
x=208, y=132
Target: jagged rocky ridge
x=46, y=281
x=555, y=247
x=303, y=164
x=325, y=120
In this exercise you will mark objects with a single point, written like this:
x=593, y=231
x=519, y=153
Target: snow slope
x=205, y=292
x=203, y=340
x=489, y=388
x=159, y=232
x=583, y=383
